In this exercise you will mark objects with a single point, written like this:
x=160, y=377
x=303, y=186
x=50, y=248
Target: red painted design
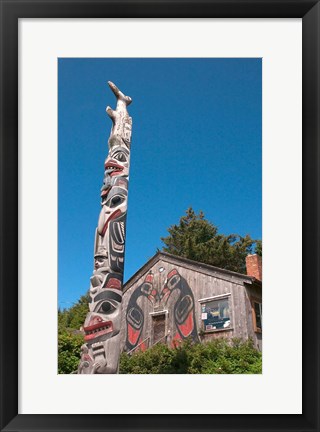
x=165, y=293
x=149, y=278
x=87, y=358
x=112, y=164
x=105, y=192
x=143, y=347
x=172, y=273
x=114, y=283
x=112, y=216
x=133, y=335
x=97, y=327
x=177, y=336
x=187, y=327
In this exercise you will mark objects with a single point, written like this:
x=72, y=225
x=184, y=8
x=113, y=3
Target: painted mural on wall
x=182, y=307
x=135, y=316
x=100, y=353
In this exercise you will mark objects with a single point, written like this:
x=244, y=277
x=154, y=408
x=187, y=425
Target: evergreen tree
x=73, y=318
x=259, y=247
x=70, y=338
x=198, y=239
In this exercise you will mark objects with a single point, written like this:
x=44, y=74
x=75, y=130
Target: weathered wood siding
x=204, y=283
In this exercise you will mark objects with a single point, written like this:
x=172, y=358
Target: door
x=159, y=327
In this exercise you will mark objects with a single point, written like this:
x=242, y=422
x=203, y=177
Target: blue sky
x=196, y=141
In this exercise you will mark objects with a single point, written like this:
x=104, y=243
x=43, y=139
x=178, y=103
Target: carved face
x=100, y=267
x=113, y=207
x=102, y=328
x=104, y=321
x=100, y=357
x=116, y=164
x=100, y=280
x=100, y=262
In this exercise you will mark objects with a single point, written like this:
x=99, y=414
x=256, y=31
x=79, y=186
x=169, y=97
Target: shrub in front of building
x=215, y=357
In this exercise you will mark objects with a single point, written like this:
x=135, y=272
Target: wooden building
x=172, y=298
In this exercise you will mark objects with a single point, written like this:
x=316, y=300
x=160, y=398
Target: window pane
x=216, y=314
x=257, y=309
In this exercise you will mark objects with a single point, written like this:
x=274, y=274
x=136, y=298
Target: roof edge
x=151, y=261
x=144, y=267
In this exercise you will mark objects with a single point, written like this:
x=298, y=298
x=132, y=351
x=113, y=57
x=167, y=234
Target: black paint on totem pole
x=116, y=243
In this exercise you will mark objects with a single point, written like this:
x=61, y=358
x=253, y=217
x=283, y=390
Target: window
x=215, y=314
x=257, y=315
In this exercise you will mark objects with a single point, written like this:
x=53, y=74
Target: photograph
x=160, y=216
x=158, y=161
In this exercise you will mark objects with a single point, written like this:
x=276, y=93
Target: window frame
x=211, y=299
x=258, y=301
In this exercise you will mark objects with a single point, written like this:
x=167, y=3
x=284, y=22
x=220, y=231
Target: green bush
x=158, y=359
x=69, y=338
x=69, y=345
x=216, y=357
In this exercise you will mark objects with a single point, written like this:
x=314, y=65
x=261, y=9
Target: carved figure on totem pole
x=100, y=353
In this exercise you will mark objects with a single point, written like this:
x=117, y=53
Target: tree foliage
x=198, y=239
x=70, y=338
x=73, y=318
x=219, y=356
x=69, y=345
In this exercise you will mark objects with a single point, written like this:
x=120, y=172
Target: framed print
x=42, y=40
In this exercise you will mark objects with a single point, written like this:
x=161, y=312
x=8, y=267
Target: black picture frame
x=11, y=11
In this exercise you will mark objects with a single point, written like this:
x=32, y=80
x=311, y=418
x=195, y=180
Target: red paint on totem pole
x=187, y=327
x=87, y=358
x=105, y=192
x=97, y=327
x=114, y=283
x=133, y=335
x=111, y=164
x=112, y=216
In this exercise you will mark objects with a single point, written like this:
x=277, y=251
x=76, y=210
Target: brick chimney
x=254, y=266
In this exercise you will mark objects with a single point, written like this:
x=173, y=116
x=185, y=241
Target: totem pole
x=100, y=353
